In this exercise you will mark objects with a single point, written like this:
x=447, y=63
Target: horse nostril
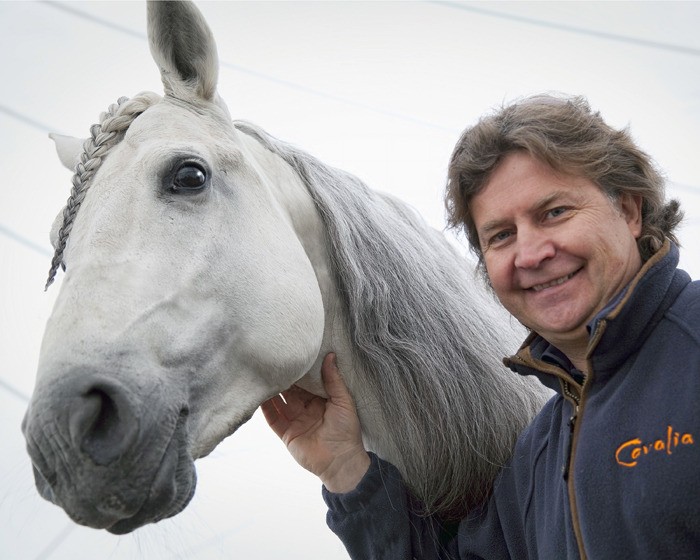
x=103, y=431
x=103, y=424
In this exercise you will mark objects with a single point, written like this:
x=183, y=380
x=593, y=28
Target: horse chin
x=167, y=498
x=172, y=489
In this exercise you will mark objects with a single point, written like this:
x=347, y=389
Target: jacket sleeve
x=377, y=520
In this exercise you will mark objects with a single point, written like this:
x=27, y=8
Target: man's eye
x=555, y=212
x=500, y=237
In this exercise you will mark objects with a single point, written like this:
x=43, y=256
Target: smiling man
x=568, y=219
x=556, y=247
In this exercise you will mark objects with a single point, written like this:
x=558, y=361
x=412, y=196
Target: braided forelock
x=103, y=137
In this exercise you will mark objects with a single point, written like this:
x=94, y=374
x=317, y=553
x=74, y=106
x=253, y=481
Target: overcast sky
x=379, y=89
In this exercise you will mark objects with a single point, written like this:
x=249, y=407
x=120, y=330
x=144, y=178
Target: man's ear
x=68, y=149
x=631, y=208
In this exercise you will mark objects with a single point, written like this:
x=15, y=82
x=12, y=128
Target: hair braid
x=103, y=136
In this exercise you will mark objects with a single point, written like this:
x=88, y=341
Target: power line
x=13, y=391
x=310, y=91
x=339, y=99
x=266, y=77
x=571, y=28
x=454, y=5
x=26, y=242
x=38, y=125
x=692, y=189
x=4, y=230
x=401, y=116
x=53, y=544
x=100, y=21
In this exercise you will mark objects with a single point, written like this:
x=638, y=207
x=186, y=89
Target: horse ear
x=68, y=149
x=183, y=47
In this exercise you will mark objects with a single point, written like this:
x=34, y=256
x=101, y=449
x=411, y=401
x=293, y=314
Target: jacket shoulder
x=685, y=311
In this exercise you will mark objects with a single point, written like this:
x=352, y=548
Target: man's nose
x=533, y=247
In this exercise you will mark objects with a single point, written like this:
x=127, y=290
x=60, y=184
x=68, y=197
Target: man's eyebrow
x=548, y=200
x=490, y=226
x=540, y=205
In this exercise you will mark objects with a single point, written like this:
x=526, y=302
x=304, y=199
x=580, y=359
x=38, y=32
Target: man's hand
x=323, y=435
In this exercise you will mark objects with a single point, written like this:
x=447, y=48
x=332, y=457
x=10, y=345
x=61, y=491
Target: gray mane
x=428, y=337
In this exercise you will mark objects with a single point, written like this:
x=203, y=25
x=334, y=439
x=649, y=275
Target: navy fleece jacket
x=609, y=469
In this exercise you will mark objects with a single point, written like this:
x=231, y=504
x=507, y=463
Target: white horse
x=208, y=267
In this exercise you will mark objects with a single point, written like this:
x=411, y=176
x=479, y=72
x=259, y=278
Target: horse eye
x=189, y=178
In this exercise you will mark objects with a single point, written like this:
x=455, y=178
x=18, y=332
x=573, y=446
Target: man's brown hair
x=567, y=135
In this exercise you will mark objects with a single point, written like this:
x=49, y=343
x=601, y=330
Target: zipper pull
x=569, y=446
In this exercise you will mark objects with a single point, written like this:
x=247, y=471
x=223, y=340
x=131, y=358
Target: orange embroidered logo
x=629, y=453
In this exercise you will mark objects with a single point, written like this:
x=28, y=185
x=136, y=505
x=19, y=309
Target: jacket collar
x=619, y=330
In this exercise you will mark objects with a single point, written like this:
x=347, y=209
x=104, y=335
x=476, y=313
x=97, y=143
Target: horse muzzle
x=113, y=455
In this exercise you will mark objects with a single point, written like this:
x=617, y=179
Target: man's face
x=556, y=248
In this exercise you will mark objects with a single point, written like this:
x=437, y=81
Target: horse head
x=209, y=266
x=189, y=296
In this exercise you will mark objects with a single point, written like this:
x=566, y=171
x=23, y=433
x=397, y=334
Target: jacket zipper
x=572, y=425
x=574, y=397
x=576, y=400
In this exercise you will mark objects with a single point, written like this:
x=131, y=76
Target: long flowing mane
x=427, y=336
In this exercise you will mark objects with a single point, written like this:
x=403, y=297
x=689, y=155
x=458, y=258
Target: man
x=568, y=220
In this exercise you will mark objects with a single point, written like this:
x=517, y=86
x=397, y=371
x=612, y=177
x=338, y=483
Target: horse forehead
x=173, y=121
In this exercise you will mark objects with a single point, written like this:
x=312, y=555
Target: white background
x=379, y=89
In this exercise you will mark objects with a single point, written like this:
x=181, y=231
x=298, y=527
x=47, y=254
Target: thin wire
x=310, y=91
x=262, y=76
x=43, y=127
x=692, y=189
x=100, y=21
x=50, y=548
x=14, y=391
x=681, y=49
x=8, y=232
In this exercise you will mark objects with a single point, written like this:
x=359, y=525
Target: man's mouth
x=557, y=282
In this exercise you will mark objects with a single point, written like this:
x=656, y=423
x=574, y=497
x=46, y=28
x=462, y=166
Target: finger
x=333, y=381
x=271, y=410
x=275, y=418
